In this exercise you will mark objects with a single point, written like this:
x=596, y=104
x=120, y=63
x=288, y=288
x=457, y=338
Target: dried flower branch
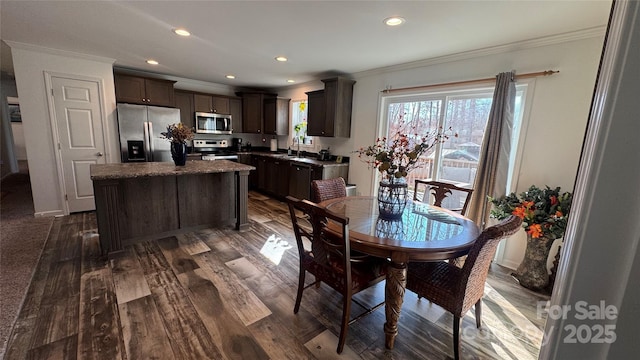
x=178, y=133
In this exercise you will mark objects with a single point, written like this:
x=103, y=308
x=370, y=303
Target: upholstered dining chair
x=458, y=289
x=330, y=260
x=326, y=189
x=440, y=191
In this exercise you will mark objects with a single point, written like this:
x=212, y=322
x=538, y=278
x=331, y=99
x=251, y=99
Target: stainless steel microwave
x=212, y=123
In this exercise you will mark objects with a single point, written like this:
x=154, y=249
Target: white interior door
x=81, y=139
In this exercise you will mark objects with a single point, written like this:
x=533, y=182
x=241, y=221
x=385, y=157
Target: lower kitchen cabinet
x=281, y=177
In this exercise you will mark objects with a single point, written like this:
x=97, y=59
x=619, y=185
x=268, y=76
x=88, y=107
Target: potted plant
x=178, y=134
x=544, y=213
x=394, y=158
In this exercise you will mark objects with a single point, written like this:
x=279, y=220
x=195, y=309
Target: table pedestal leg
x=394, y=295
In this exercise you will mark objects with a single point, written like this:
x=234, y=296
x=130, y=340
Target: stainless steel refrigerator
x=140, y=127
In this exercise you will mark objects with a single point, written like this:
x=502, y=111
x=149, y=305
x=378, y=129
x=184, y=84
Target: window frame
x=291, y=138
x=525, y=87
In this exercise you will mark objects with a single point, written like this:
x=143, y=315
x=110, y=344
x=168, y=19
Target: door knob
x=99, y=154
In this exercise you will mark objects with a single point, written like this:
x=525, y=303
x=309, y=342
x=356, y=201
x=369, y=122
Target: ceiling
x=319, y=37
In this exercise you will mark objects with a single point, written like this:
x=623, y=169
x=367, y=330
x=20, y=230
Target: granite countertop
x=146, y=169
x=301, y=160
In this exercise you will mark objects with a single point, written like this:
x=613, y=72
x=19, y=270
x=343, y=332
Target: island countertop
x=148, y=169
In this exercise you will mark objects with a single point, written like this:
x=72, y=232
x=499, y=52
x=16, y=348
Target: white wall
x=30, y=65
x=556, y=123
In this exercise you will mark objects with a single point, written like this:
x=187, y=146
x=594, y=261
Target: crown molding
x=596, y=31
x=65, y=53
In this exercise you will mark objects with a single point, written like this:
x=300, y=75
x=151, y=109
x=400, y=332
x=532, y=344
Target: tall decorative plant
x=544, y=213
x=396, y=156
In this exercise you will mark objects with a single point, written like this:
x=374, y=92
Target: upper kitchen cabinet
x=145, y=91
x=264, y=113
x=329, y=110
x=252, y=110
x=235, y=109
x=211, y=103
x=276, y=116
x=184, y=102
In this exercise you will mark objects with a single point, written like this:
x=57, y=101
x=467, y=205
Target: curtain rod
x=466, y=82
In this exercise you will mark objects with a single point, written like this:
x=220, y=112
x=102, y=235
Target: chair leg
x=479, y=313
x=300, y=289
x=346, y=312
x=456, y=337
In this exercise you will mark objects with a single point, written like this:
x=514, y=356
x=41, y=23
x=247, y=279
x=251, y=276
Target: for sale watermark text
x=592, y=331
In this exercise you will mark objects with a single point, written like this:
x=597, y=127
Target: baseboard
x=508, y=264
x=49, y=213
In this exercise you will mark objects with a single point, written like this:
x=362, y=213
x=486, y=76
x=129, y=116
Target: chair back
x=440, y=190
x=326, y=189
x=330, y=252
x=476, y=265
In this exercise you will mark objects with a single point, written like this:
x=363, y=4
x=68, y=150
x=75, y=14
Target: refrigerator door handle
x=151, y=146
x=147, y=147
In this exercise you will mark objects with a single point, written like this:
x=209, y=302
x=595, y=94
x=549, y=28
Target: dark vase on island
x=179, y=153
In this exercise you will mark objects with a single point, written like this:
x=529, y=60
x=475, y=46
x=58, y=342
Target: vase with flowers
x=394, y=158
x=544, y=213
x=178, y=134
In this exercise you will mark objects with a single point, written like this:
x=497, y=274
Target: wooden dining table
x=423, y=233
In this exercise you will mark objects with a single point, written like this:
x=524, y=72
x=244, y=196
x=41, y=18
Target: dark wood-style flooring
x=223, y=294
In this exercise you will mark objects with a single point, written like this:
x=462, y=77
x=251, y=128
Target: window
x=464, y=111
x=299, y=125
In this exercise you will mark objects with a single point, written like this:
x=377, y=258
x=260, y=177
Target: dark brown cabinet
x=329, y=111
x=281, y=176
x=264, y=114
x=276, y=116
x=141, y=90
x=211, y=104
x=184, y=102
x=235, y=109
x=252, y=110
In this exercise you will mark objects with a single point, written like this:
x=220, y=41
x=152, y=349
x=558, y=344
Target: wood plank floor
x=223, y=294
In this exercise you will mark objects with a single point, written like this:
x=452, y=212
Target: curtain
x=493, y=166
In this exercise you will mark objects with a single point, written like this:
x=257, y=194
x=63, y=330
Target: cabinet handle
x=323, y=133
x=259, y=130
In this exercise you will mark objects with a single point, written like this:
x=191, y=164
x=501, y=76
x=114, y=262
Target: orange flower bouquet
x=544, y=211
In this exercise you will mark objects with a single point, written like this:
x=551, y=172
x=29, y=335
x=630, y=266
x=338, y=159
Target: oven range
x=214, y=150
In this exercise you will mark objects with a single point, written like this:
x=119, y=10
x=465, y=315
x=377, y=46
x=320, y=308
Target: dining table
x=423, y=233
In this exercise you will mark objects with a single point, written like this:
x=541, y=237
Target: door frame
x=48, y=82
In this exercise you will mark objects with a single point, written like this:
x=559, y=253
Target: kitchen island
x=145, y=201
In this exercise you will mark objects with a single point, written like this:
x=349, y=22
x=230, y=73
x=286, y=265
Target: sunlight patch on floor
x=274, y=248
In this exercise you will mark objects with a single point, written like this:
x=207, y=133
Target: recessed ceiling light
x=152, y=62
x=230, y=76
x=181, y=32
x=291, y=81
x=394, y=21
x=281, y=58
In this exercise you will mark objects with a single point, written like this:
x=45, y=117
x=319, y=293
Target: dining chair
x=326, y=189
x=330, y=260
x=440, y=191
x=458, y=289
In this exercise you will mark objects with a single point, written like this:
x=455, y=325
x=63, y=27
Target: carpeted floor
x=22, y=238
